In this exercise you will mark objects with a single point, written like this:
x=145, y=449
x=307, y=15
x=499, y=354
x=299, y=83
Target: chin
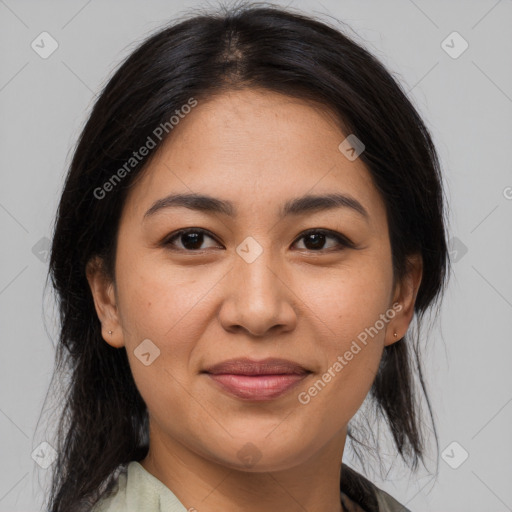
x=261, y=453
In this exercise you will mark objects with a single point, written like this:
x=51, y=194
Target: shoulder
x=114, y=499
x=366, y=496
x=387, y=503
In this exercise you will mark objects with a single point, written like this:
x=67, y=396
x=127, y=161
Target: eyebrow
x=297, y=206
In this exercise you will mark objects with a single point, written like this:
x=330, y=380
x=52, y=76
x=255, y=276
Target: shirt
x=137, y=490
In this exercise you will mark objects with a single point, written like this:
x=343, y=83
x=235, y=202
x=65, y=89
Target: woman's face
x=247, y=282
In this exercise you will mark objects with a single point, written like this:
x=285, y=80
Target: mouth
x=257, y=380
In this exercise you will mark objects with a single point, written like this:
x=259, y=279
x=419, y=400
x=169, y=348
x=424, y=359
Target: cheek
x=161, y=307
x=340, y=387
x=350, y=309
x=347, y=301
x=156, y=301
x=170, y=308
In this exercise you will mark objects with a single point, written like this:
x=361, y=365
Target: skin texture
x=257, y=149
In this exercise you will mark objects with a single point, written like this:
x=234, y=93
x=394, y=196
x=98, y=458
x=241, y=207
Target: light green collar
x=139, y=491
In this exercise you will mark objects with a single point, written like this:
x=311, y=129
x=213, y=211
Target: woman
x=252, y=217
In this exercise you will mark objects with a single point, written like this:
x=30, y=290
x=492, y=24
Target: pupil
x=318, y=240
x=194, y=239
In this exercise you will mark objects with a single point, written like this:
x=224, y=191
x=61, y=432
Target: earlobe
x=103, y=293
x=405, y=295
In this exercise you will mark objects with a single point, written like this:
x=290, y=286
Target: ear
x=404, y=299
x=103, y=292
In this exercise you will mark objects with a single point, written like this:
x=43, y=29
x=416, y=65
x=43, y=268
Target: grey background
x=465, y=101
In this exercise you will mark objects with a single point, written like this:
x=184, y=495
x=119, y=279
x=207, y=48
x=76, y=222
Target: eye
x=315, y=239
x=191, y=239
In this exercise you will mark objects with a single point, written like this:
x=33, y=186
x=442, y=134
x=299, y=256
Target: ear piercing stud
x=395, y=335
x=110, y=332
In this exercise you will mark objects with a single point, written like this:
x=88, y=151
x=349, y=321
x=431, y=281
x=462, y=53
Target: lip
x=263, y=380
x=257, y=380
x=246, y=366
x=257, y=387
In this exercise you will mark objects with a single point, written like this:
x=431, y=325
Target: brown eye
x=190, y=239
x=315, y=240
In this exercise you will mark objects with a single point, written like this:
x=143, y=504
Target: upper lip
x=246, y=366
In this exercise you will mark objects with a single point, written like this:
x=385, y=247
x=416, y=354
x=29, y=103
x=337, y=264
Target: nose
x=257, y=298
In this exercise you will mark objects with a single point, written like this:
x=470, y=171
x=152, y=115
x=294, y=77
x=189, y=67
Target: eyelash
x=341, y=239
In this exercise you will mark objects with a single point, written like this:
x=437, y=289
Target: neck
x=204, y=485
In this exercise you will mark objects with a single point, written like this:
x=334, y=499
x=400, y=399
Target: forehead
x=257, y=149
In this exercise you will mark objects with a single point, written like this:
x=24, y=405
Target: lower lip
x=257, y=387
